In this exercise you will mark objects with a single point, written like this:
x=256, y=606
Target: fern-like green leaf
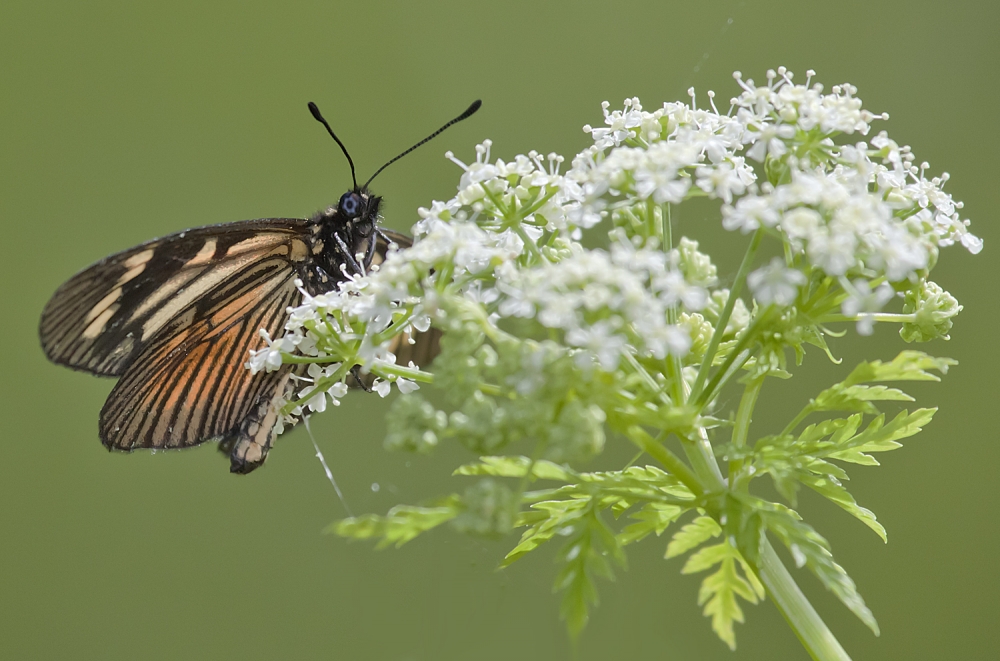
x=878, y=437
x=907, y=366
x=651, y=518
x=830, y=488
x=517, y=467
x=584, y=556
x=552, y=517
x=856, y=398
x=691, y=535
x=400, y=525
x=721, y=590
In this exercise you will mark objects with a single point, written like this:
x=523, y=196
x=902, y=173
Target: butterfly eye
x=350, y=204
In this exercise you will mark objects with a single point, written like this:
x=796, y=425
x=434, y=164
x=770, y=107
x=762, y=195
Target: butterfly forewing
x=189, y=383
x=104, y=316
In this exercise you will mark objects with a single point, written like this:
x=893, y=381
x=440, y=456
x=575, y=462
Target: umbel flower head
x=554, y=347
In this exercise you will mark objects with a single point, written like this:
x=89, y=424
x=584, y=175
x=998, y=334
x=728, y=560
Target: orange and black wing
x=175, y=318
x=104, y=317
x=189, y=383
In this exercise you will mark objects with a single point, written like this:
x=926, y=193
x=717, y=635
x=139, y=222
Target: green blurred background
x=122, y=121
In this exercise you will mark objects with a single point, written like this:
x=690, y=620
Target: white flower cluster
x=604, y=302
x=528, y=188
x=860, y=210
x=508, y=241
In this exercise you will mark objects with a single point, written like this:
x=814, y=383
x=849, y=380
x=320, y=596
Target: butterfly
x=176, y=317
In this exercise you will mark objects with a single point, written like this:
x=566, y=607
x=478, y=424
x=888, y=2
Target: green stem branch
x=741, y=429
x=727, y=311
x=674, y=465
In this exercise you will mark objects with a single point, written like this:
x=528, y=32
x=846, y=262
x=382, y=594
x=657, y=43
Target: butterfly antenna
x=469, y=112
x=319, y=118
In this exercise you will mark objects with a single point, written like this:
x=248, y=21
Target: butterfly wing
x=102, y=318
x=175, y=318
x=189, y=383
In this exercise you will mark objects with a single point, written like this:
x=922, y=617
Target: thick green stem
x=699, y=452
x=727, y=311
x=812, y=632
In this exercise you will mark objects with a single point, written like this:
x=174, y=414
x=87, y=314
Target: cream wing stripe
x=184, y=297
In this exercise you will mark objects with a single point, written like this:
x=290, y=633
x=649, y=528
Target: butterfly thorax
x=344, y=243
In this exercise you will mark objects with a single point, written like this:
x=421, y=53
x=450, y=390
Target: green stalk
x=812, y=632
x=675, y=369
x=699, y=452
x=802, y=415
x=529, y=244
x=674, y=465
x=727, y=311
x=742, y=427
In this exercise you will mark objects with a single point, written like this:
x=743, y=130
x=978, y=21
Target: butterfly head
x=351, y=204
x=358, y=211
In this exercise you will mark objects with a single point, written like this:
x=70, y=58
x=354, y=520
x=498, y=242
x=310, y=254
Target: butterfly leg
x=256, y=433
x=349, y=259
x=360, y=381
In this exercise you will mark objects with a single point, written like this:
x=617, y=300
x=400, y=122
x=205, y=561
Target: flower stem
x=699, y=452
x=812, y=632
x=742, y=427
x=727, y=311
x=667, y=459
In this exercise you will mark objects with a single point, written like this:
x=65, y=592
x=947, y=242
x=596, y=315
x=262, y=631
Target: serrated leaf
x=721, y=604
x=849, y=428
x=691, y=535
x=907, y=366
x=652, y=518
x=585, y=555
x=517, y=467
x=832, y=490
x=609, y=541
x=841, y=397
x=705, y=558
x=810, y=549
x=552, y=517
x=879, y=436
x=719, y=591
x=400, y=525
x=825, y=428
